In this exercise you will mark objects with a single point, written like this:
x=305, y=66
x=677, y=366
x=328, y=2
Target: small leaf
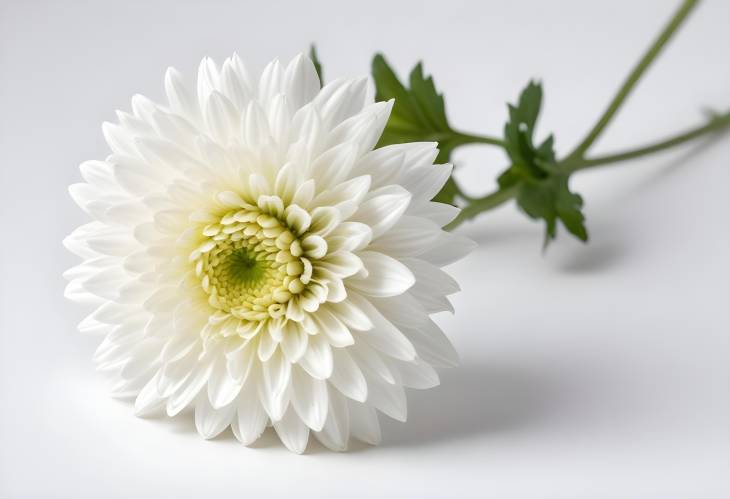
x=317, y=64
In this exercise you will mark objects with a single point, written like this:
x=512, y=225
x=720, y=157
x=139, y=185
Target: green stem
x=485, y=203
x=499, y=197
x=633, y=79
x=467, y=138
x=717, y=124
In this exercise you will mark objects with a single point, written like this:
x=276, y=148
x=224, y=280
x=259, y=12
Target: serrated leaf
x=428, y=99
x=543, y=191
x=528, y=107
x=551, y=200
x=418, y=115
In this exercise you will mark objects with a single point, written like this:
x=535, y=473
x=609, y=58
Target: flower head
x=253, y=256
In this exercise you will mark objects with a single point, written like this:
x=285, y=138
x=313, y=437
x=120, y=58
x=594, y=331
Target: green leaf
x=317, y=64
x=419, y=114
x=542, y=188
x=551, y=200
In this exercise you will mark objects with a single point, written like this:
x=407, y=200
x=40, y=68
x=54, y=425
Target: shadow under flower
x=471, y=400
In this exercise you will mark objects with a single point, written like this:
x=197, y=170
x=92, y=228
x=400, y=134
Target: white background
x=588, y=371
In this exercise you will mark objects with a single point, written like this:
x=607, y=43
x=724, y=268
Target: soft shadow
x=499, y=235
x=675, y=165
x=604, y=254
x=596, y=257
x=181, y=423
x=471, y=400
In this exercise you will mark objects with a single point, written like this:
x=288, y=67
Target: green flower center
x=243, y=268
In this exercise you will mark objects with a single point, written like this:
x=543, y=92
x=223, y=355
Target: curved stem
x=485, y=203
x=633, y=79
x=717, y=124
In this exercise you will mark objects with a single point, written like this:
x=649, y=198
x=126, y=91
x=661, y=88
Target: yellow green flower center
x=251, y=264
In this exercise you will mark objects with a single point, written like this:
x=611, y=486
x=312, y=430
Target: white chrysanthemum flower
x=253, y=256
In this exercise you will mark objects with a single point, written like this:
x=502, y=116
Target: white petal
x=448, y=248
x=208, y=80
x=333, y=166
x=304, y=194
x=148, y=399
x=233, y=86
x=309, y=398
x=292, y=432
x=432, y=345
x=371, y=363
x=222, y=387
x=271, y=82
x=119, y=139
x=175, y=373
x=132, y=176
x=128, y=213
x=255, y=126
x=383, y=208
x=318, y=359
x=402, y=310
x=387, y=398
x=98, y=173
x=314, y=246
x=386, y=276
x=112, y=242
x=351, y=315
x=144, y=357
x=324, y=220
x=189, y=390
x=384, y=336
x=384, y=165
x=338, y=100
x=279, y=122
x=410, y=237
x=364, y=129
x=333, y=329
x=307, y=127
x=210, y=421
x=267, y=346
x=301, y=82
x=88, y=199
x=336, y=430
x=221, y=117
x=274, y=385
x=347, y=377
x=349, y=236
x=342, y=264
x=107, y=283
x=426, y=181
x=364, y=423
x=240, y=364
x=352, y=190
x=252, y=418
x=439, y=213
x=417, y=374
x=76, y=241
x=180, y=98
x=294, y=342
x=297, y=218
x=277, y=372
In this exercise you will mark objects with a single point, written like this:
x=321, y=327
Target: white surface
x=596, y=371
